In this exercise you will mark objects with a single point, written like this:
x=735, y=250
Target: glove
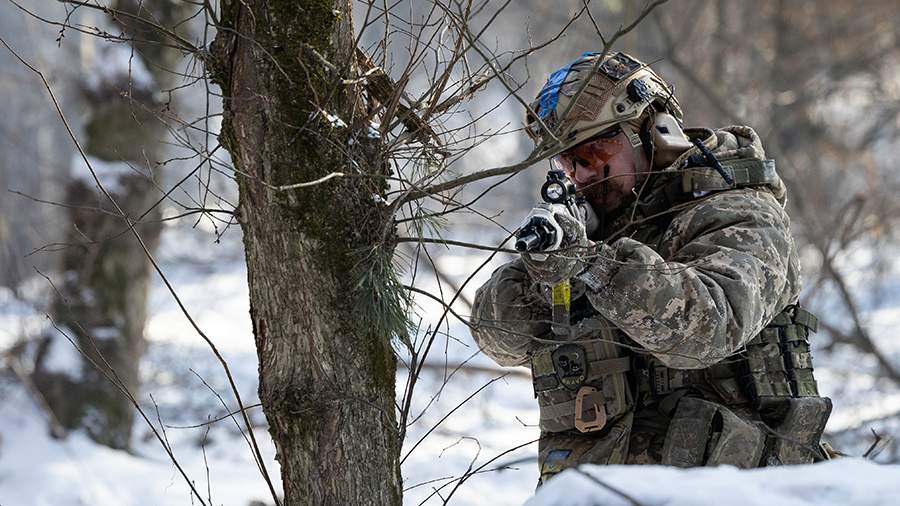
x=569, y=260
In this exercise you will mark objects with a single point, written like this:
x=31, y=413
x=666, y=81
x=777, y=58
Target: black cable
x=713, y=161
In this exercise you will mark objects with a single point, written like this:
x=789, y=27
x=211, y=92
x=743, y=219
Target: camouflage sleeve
x=726, y=267
x=508, y=311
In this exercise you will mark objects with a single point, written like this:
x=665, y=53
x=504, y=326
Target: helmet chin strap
x=634, y=137
x=637, y=145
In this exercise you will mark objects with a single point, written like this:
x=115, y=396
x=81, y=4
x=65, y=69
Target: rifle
x=542, y=234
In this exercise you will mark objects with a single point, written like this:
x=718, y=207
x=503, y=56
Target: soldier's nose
x=591, y=173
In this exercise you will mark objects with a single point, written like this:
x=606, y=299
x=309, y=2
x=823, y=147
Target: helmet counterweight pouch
x=669, y=141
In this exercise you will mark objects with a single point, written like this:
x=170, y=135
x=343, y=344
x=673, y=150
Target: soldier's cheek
x=622, y=172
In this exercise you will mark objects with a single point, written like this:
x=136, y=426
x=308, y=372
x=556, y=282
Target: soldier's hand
x=573, y=229
x=565, y=262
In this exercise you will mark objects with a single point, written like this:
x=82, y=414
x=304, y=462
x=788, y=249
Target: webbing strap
x=673, y=190
x=564, y=409
x=608, y=366
x=807, y=319
x=743, y=172
x=781, y=319
x=597, y=368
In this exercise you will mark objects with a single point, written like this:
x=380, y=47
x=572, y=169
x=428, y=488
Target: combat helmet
x=622, y=91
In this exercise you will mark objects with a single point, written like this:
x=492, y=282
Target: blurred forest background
x=818, y=80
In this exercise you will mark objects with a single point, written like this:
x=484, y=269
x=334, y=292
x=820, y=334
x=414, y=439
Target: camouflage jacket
x=689, y=287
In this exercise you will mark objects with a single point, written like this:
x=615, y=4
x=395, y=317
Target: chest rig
x=772, y=376
x=583, y=383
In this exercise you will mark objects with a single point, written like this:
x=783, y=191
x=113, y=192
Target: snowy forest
x=240, y=241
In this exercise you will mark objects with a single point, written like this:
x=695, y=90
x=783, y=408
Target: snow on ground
x=36, y=470
x=840, y=482
x=217, y=297
x=176, y=365
x=480, y=433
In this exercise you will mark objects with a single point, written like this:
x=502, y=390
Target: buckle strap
x=742, y=172
x=609, y=366
x=658, y=380
x=567, y=408
x=805, y=318
x=664, y=380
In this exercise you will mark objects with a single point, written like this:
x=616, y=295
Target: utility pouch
x=703, y=433
x=796, y=439
x=581, y=386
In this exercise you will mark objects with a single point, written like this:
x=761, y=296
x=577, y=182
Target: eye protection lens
x=592, y=154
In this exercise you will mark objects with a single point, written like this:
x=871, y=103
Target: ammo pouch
x=774, y=375
x=795, y=437
x=581, y=384
x=704, y=433
x=777, y=364
x=777, y=374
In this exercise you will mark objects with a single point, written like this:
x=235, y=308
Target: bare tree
x=101, y=301
x=317, y=131
x=323, y=307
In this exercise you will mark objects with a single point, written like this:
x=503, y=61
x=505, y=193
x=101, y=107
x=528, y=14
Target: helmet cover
x=622, y=91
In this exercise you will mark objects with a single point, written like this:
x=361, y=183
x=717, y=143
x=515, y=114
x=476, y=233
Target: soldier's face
x=603, y=169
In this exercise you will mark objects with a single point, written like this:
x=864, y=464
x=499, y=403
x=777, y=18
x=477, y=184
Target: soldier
x=685, y=345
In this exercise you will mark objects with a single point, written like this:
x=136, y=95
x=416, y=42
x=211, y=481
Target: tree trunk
x=102, y=299
x=102, y=307
x=318, y=277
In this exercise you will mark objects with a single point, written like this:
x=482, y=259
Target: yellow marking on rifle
x=562, y=294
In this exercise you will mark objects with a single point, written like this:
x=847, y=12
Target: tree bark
x=319, y=274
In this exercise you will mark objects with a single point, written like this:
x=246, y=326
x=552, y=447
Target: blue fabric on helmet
x=549, y=95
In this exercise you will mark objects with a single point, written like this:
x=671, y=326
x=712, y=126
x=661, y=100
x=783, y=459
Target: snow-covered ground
x=841, y=482
x=488, y=439
x=36, y=470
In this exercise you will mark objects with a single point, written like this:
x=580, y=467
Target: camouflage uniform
x=677, y=286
